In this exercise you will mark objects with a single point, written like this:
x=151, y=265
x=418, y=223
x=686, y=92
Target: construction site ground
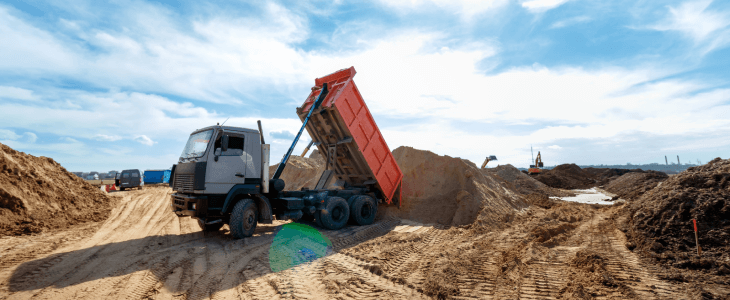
x=551, y=250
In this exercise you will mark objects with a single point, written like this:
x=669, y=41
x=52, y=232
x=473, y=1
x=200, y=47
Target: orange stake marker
x=697, y=240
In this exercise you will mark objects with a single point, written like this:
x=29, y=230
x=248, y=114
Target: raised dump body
x=349, y=139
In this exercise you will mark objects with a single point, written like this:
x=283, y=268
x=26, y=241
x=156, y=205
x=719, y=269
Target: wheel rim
x=248, y=220
x=366, y=210
x=337, y=214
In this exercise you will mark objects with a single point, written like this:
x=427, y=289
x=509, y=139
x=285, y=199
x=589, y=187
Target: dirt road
x=143, y=251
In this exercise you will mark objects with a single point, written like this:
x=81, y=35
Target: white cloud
x=8, y=135
x=16, y=93
x=107, y=138
x=30, y=137
x=537, y=6
x=570, y=21
x=465, y=8
x=144, y=140
x=707, y=28
x=555, y=147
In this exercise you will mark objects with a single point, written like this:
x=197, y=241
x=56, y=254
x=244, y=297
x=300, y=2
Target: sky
x=118, y=85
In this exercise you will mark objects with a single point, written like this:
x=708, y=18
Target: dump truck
x=222, y=176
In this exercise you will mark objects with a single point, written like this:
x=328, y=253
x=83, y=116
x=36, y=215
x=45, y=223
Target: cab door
x=227, y=167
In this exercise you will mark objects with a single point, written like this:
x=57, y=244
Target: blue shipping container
x=156, y=176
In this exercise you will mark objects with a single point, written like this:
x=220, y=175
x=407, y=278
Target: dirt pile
x=300, y=172
x=632, y=185
x=567, y=176
x=37, y=193
x=605, y=175
x=522, y=182
x=591, y=278
x=659, y=222
x=450, y=191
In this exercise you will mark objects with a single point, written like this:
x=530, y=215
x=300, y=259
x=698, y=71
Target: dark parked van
x=128, y=179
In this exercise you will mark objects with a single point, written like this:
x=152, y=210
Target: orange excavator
x=535, y=169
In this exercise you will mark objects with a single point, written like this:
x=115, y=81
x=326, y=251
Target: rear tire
x=244, y=219
x=335, y=214
x=363, y=210
x=121, y=188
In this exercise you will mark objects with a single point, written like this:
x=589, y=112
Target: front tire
x=244, y=219
x=335, y=214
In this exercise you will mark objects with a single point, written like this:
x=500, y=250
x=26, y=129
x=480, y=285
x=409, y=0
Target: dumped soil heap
x=660, y=221
x=605, y=175
x=522, y=182
x=450, y=191
x=300, y=172
x=632, y=185
x=567, y=176
x=37, y=193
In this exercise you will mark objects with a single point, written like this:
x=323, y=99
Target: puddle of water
x=589, y=196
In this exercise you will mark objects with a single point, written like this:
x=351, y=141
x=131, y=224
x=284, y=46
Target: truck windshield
x=197, y=143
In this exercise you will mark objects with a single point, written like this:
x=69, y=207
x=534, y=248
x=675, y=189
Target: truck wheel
x=209, y=227
x=336, y=213
x=363, y=210
x=121, y=189
x=244, y=219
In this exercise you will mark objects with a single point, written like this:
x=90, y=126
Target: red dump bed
x=343, y=114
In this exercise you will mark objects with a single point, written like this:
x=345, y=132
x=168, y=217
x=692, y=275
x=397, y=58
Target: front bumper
x=185, y=205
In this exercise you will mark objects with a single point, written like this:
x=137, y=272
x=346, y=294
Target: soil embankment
x=300, y=172
x=603, y=176
x=36, y=193
x=632, y=185
x=522, y=182
x=567, y=176
x=659, y=223
x=450, y=191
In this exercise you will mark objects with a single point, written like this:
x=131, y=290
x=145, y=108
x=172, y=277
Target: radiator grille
x=179, y=201
x=183, y=182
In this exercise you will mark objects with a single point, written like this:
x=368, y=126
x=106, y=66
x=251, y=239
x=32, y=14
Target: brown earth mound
x=660, y=221
x=605, y=175
x=632, y=185
x=567, y=176
x=450, y=191
x=37, y=193
x=300, y=172
x=522, y=182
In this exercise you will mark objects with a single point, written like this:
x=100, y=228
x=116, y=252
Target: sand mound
x=300, y=172
x=567, y=176
x=632, y=185
x=36, y=193
x=522, y=182
x=660, y=221
x=605, y=175
x=450, y=191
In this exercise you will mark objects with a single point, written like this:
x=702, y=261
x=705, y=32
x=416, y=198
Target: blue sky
x=121, y=85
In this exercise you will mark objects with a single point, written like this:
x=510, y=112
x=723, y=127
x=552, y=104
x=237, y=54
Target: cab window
x=135, y=175
x=125, y=175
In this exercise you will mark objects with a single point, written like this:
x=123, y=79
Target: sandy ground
x=143, y=251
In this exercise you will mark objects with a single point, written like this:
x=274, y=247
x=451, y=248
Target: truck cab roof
x=226, y=128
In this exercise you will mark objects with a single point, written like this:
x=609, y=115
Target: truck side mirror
x=224, y=143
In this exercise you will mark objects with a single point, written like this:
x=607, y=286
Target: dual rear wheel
x=361, y=210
